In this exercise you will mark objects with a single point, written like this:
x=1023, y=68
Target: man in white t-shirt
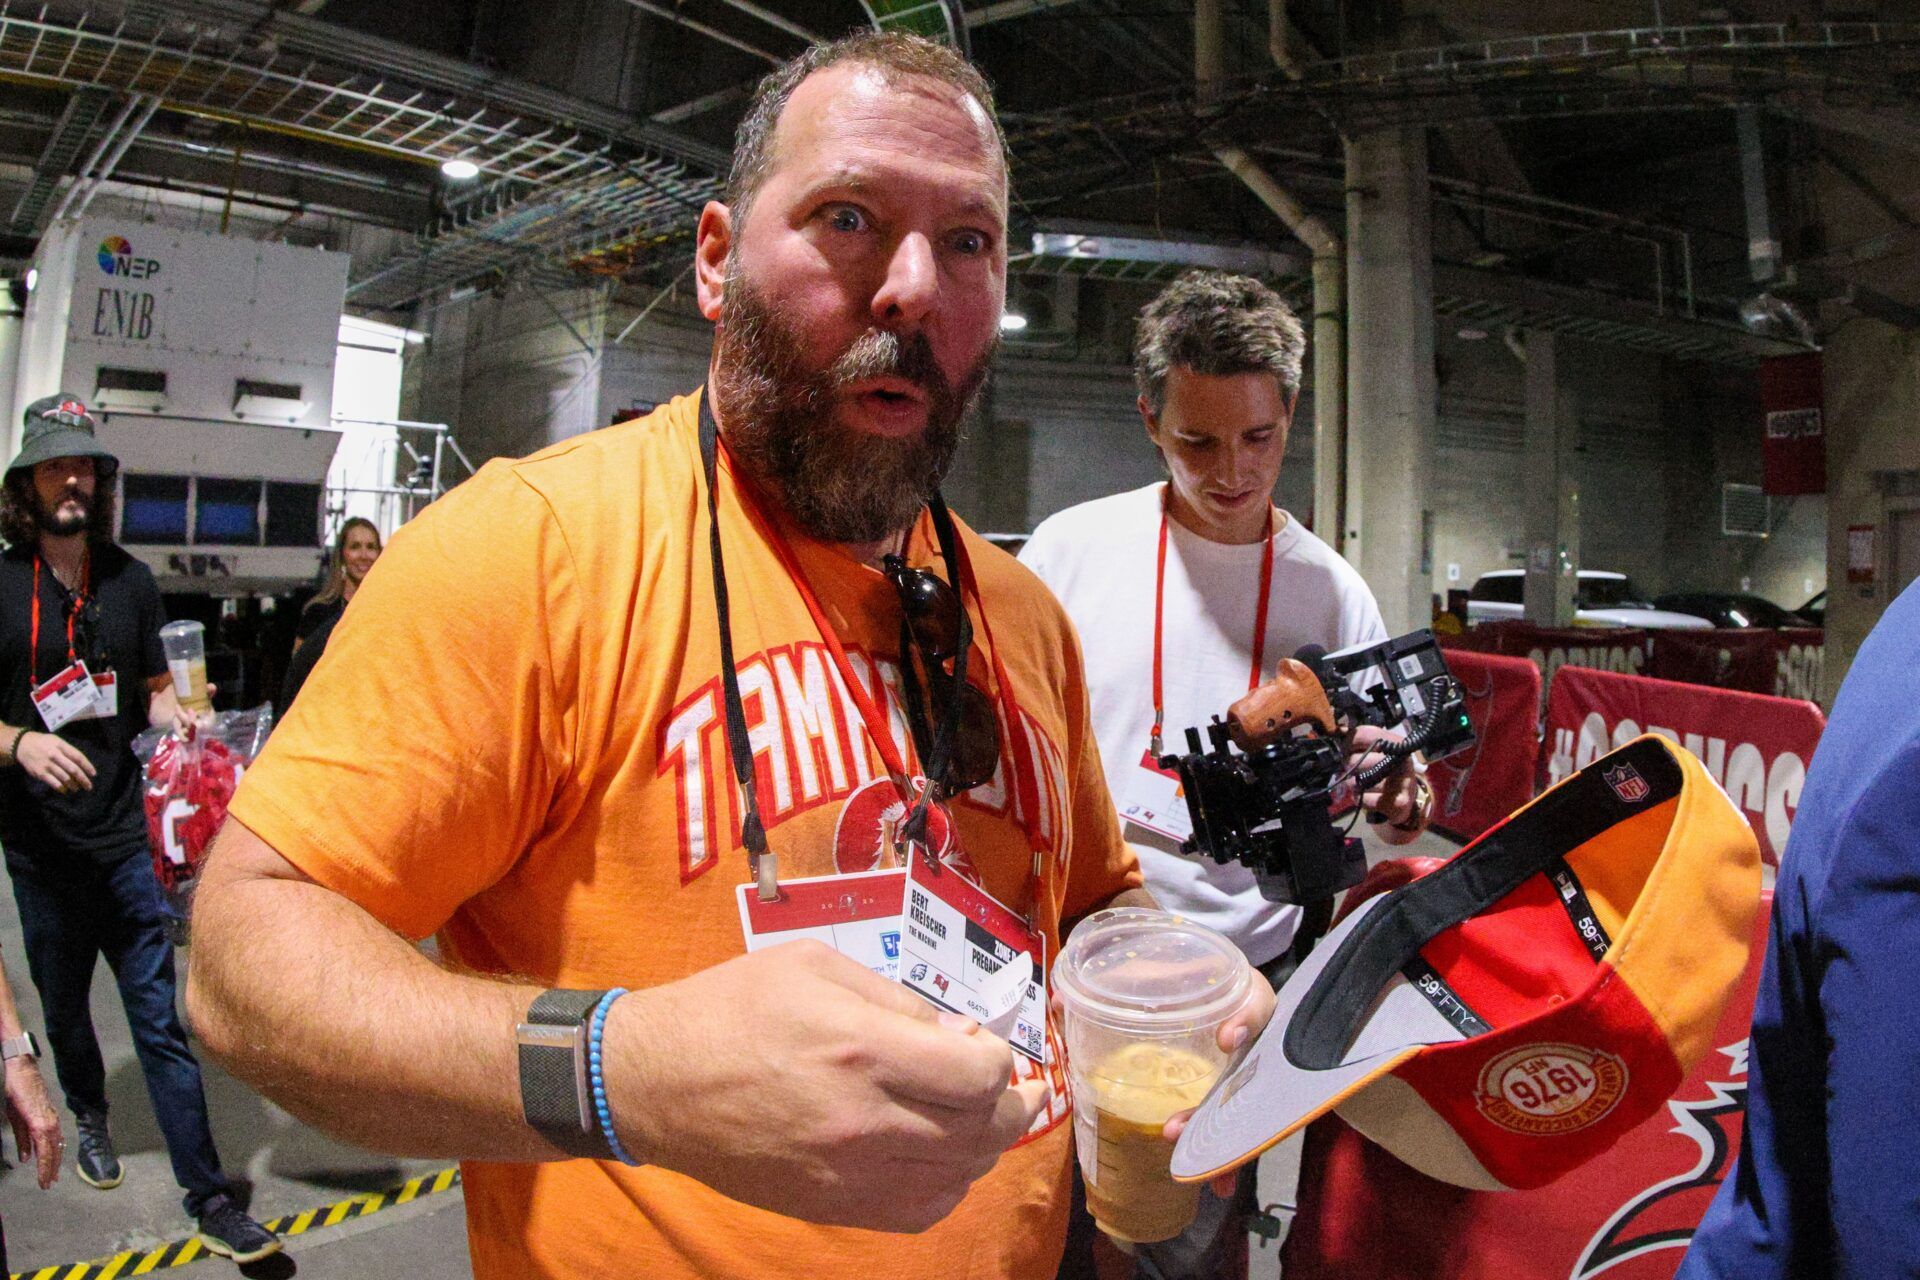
x=1204, y=571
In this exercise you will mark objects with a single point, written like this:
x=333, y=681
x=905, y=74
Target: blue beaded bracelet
x=599, y=1081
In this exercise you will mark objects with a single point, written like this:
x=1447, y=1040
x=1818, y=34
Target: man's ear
x=713, y=242
x=1148, y=419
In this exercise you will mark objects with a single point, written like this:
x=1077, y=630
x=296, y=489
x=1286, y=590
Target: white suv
x=1601, y=599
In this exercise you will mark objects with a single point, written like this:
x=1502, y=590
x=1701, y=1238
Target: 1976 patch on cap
x=1512, y=1014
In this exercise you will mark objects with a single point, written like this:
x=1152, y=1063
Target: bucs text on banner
x=1786, y=662
x=1794, y=443
x=1624, y=649
x=1757, y=747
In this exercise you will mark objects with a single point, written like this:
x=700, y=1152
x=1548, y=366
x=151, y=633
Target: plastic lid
x=1149, y=968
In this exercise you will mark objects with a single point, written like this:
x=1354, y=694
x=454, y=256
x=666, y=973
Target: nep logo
x=116, y=259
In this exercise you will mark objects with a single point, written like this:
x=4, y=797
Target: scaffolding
x=546, y=188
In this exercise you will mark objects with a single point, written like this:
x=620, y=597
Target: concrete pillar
x=1872, y=377
x=1551, y=486
x=9, y=370
x=1391, y=388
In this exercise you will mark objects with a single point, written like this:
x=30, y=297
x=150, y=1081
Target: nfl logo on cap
x=1511, y=1015
x=1627, y=784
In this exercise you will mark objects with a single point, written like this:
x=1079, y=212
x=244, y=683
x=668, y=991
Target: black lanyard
x=753, y=831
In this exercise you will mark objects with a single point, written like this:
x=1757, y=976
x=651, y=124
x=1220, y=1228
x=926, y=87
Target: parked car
x=1814, y=611
x=1601, y=599
x=1730, y=609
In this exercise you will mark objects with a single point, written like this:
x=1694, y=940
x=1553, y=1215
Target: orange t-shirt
x=516, y=739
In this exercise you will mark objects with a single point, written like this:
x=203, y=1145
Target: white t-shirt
x=1099, y=558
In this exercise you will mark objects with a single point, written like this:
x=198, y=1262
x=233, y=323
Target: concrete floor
x=290, y=1168
x=287, y=1167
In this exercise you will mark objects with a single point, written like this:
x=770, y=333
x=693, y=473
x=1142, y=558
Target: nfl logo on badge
x=1627, y=783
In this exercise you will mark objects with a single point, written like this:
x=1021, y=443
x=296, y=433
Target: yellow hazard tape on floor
x=177, y=1253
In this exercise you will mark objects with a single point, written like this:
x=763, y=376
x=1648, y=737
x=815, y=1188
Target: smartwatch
x=555, y=1095
x=23, y=1045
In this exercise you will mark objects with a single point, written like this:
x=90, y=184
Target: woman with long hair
x=355, y=548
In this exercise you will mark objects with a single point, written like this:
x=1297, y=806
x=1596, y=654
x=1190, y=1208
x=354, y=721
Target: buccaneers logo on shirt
x=811, y=751
x=867, y=836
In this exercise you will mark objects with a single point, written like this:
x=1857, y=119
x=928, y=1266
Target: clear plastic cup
x=1143, y=994
x=186, y=645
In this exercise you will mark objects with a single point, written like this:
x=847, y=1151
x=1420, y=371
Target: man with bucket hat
x=81, y=673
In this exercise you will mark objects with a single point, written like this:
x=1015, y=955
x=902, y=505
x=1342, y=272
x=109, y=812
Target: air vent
x=129, y=390
x=269, y=401
x=1745, y=511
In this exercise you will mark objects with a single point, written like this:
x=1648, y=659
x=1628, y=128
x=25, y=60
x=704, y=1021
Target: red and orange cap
x=1514, y=1013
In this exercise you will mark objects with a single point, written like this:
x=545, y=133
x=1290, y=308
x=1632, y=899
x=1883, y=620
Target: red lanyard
x=79, y=602
x=1026, y=788
x=1159, y=606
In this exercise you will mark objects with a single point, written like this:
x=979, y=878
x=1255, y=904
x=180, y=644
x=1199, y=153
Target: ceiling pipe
x=1765, y=312
x=112, y=161
x=93, y=158
x=1763, y=251
x=1329, y=266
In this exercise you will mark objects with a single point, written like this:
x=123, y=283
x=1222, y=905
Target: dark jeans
x=73, y=910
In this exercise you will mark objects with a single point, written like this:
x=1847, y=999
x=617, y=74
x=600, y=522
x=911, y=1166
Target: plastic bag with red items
x=189, y=783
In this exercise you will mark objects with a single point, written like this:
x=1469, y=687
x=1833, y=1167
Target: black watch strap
x=554, y=1092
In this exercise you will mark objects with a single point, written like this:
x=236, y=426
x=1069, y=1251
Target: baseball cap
x=1514, y=1013
x=61, y=426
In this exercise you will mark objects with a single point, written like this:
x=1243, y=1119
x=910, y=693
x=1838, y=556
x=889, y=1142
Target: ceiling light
x=33, y=278
x=1012, y=322
x=460, y=170
x=1471, y=334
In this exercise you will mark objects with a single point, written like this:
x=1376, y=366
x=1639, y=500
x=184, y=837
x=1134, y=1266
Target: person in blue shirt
x=1826, y=1184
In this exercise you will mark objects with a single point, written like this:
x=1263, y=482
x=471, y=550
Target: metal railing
x=429, y=456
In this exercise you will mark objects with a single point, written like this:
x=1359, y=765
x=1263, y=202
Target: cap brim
x=1268, y=1097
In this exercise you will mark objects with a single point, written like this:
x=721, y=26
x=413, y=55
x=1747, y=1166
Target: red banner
x=1627, y=1215
x=1785, y=663
x=1486, y=782
x=1623, y=649
x=1794, y=447
x=1755, y=746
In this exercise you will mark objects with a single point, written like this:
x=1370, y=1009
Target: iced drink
x=1143, y=994
x=1134, y=1090
x=186, y=647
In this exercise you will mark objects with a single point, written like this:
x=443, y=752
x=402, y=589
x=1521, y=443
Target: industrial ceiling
x=1586, y=166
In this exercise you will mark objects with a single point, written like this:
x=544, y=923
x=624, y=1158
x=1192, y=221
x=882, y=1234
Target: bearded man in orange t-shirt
x=608, y=716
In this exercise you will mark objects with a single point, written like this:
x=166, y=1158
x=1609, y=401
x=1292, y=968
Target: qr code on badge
x=1028, y=1039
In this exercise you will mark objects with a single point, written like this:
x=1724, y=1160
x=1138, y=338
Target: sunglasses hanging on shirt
x=933, y=623
x=959, y=753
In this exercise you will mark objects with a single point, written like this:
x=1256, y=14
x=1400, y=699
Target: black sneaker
x=225, y=1230
x=96, y=1162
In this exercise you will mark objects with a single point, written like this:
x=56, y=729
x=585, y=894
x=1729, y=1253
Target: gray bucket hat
x=61, y=426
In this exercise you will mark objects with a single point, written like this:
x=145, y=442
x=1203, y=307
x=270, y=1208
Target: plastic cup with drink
x=185, y=643
x=1143, y=994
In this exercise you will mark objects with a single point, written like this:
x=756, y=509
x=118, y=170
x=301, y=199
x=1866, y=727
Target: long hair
x=20, y=512
x=336, y=587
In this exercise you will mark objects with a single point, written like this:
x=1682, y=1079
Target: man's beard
x=838, y=483
x=57, y=525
